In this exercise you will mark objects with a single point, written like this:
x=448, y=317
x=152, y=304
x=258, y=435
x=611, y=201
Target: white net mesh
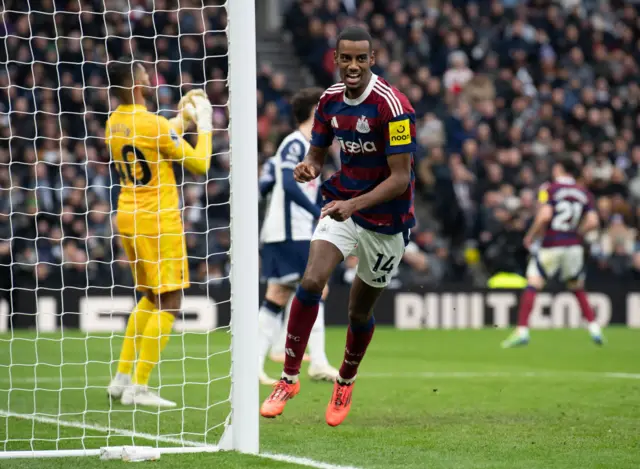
x=66, y=287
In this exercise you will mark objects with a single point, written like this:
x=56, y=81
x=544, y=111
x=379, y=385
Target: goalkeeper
x=144, y=147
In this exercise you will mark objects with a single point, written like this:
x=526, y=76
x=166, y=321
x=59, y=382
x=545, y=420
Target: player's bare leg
x=520, y=336
x=319, y=368
x=324, y=257
x=155, y=337
x=131, y=344
x=577, y=287
x=362, y=298
x=270, y=323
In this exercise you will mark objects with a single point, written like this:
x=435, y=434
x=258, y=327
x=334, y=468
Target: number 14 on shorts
x=381, y=264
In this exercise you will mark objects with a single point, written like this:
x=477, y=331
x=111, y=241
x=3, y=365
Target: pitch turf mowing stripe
x=120, y=432
x=179, y=378
x=99, y=428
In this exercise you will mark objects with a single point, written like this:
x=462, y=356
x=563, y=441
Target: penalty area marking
x=121, y=432
x=196, y=377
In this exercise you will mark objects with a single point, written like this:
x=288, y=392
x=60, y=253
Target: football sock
x=585, y=307
x=133, y=334
x=527, y=299
x=154, y=340
x=304, y=310
x=316, y=339
x=278, y=345
x=358, y=338
x=269, y=327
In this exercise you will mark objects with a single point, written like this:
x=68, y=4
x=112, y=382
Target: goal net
x=66, y=287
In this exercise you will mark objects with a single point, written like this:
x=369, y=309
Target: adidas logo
x=290, y=352
x=334, y=122
x=382, y=279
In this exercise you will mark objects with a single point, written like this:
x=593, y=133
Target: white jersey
x=285, y=220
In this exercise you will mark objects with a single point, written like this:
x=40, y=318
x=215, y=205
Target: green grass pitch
x=424, y=399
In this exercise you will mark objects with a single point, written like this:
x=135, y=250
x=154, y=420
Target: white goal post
x=244, y=225
x=50, y=375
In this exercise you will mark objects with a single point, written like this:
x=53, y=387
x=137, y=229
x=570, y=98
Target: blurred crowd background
x=500, y=87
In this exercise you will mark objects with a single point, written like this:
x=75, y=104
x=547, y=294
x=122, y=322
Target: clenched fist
x=305, y=172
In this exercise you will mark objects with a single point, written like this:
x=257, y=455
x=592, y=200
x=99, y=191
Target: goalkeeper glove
x=186, y=110
x=203, y=113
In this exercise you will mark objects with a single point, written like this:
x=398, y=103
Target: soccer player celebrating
x=286, y=235
x=368, y=211
x=144, y=146
x=566, y=214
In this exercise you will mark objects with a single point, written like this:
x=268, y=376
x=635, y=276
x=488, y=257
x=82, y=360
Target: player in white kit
x=286, y=236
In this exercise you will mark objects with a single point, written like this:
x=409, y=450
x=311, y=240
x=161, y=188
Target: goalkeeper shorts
x=158, y=262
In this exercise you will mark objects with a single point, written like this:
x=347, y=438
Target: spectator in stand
x=501, y=89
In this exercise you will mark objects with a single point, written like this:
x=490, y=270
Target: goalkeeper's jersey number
x=132, y=165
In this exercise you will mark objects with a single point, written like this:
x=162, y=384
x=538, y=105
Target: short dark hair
x=121, y=73
x=354, y=33
x=570, y=166
x=303, y=103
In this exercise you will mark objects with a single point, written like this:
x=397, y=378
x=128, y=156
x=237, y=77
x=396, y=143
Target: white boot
x=137, y=394
x=118, y=384
x=322, y=372
x=265, y=379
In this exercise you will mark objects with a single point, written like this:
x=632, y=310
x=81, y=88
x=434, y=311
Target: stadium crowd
x=500, y=89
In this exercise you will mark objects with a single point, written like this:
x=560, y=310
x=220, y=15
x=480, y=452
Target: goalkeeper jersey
x=143, y=147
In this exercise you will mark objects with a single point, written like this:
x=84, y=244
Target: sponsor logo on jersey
x=362, y=125
x=399, y=133
x=357, y=147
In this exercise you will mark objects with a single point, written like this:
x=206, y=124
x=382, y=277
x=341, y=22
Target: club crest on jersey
x=362, y=125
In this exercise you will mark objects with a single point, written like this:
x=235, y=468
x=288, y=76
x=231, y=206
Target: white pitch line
x=120, y=432
x=303, y=461
x=197, y=378
x=100, y=428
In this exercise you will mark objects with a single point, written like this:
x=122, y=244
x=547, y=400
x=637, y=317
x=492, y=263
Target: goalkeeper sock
x=154, y=340
x=133, y=335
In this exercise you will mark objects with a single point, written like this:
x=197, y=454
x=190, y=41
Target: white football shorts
x=378, y=254
x=569, y=260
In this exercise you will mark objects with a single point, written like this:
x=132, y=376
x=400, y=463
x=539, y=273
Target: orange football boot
x=340, y=404
x=282, y=392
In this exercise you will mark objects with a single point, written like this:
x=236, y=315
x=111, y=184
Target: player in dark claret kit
x=368, y=211
x=565, y=215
